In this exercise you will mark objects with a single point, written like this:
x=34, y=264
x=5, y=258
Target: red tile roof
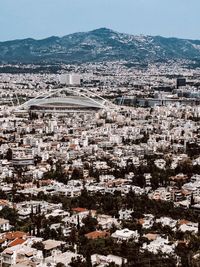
x=14, y=235
x=17, y=241
x=79, y=209
x=97, y=234
x=4, y=202
x=183, y=222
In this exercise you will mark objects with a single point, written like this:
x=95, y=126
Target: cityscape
x=100, y=151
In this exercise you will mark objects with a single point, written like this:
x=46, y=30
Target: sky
x=43, y=18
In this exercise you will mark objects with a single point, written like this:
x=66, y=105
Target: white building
x=4, y=225
x=125, y=234
x=159, y=245
x=101, y=260
x=70, y=79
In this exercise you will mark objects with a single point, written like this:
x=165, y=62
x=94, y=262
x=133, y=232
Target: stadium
x=66, y=100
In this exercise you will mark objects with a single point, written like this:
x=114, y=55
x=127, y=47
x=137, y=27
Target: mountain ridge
x=101, y=44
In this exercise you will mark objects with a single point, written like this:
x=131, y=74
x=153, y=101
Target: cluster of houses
x=18, y=248
x=59, y=155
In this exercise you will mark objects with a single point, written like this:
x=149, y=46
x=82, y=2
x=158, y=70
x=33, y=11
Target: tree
x=139, y=180
x=2, y=194
x=192, y=200
x=38, y=246
x=90, y=223
x=9, y=154
x=85, y=200
x=78, y=222
x=112, y=264
x=60, y=264
x=73, y=236
x=9, y=214
x=88, y=259
x=199, y=228
x=78, y=262
x=123, y=263
x=77, y=174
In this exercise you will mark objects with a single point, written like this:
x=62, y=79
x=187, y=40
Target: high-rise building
x=180, y=82
x=70, y=79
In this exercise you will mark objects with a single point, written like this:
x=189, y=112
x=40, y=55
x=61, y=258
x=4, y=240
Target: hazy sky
x=43, y=18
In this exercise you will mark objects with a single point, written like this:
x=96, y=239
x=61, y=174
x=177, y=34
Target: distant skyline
x=43, y=18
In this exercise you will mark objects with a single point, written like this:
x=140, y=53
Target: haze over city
x=43, y=18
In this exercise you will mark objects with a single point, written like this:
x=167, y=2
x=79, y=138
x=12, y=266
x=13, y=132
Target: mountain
x=98, y=45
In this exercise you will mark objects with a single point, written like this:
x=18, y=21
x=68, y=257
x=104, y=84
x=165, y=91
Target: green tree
x=60, y=264
x=38, y=246
x=78, y=262
x=9, y=154
x=90, y=223
x=9, y=214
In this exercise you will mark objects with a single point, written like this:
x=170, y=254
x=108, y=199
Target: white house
x=4, y=225
x=125, y=235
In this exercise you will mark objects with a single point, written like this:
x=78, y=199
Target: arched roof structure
x=66, y=98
